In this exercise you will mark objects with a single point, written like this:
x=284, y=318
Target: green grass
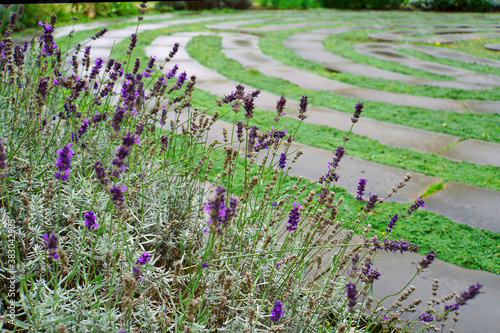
x=207, y=50
x=341, y=44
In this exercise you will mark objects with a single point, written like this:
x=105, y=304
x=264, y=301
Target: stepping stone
x=493, y=47
x=468, y=204
x=474, y=151
x=442, y=52
x=478, y=315
x=316, y=52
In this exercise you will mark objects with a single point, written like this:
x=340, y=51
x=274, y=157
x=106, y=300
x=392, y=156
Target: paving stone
x=494, y=47
x=474, y=151
x=441, y=52
x=467, y=204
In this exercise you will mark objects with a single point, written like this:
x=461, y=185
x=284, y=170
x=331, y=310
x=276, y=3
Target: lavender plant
x=121, y=213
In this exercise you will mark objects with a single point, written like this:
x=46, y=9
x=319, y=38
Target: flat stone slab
x=442, y=52
x=478, y=315
x=474, y=151
x=493, y=47
x=476, y=206
x=315, y=51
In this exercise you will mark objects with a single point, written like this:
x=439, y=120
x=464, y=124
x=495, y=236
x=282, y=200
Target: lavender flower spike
x=361, y=189
x=392, y=222
x=63, y=162
x=424, y=263
x=303, y=108
x=469, y=294
x=90, y=220
x=282, y=161
x=51, y=244
x=352, y=296
x=145, y=257
x=3, y=157
x=294, y=217
x=277, y=311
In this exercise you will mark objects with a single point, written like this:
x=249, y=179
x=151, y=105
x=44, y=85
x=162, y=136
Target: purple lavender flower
x=229, y=212
x=371, y=202
x=123, y=151
x=63, y=162
x=418, y=203
x=136, y=272
x=426, y=317
x=90, y=220
x=303, y=108
x=391, y=245
x=171, y=73
x=282, y=162
x=352, y=296
x=47, y=39
x=358, y=108
x=145, y=257
x=216, y=209
x=149, y=67
x=118, y=117
x=239, y=129
x=369, y=274
x=133, y=42
x=249, y=106
x=293, y=217
x=101, y=173
x=392, y=222
x=99, y=34
x=429, y=258
x=3, y=157
x=86, y=57
x=361, y=188
x=280, y=107
x=452, y=307
x=180, y=80
x=252, y=136
x=99, y=117
x=173, y=52
x=205, y=265
x=278, y=264
x=277, y=311
x=96, y=69
x=51, y=241
x=117, y=196
x=164, y=143
x=41, y=91
x=472, y=292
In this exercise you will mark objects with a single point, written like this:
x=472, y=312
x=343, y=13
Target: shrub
x=120, y=213
x=453, y=5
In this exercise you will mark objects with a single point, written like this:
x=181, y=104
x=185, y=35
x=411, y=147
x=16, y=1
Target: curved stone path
x=461, y=202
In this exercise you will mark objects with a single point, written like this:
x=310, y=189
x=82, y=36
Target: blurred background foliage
x=96, y=10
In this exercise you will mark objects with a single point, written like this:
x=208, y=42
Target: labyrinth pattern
x=410, y=64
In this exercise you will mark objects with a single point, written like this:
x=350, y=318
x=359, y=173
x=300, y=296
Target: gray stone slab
x=442, y=52
x=250, y=59
x=493, y=47
x=474, y=151
x=436, y=68
x=404, y=99
x=478, y=315
x=483, y=106
x=468, y=204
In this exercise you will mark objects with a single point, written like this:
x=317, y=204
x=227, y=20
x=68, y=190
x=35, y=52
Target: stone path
x=461, y=202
